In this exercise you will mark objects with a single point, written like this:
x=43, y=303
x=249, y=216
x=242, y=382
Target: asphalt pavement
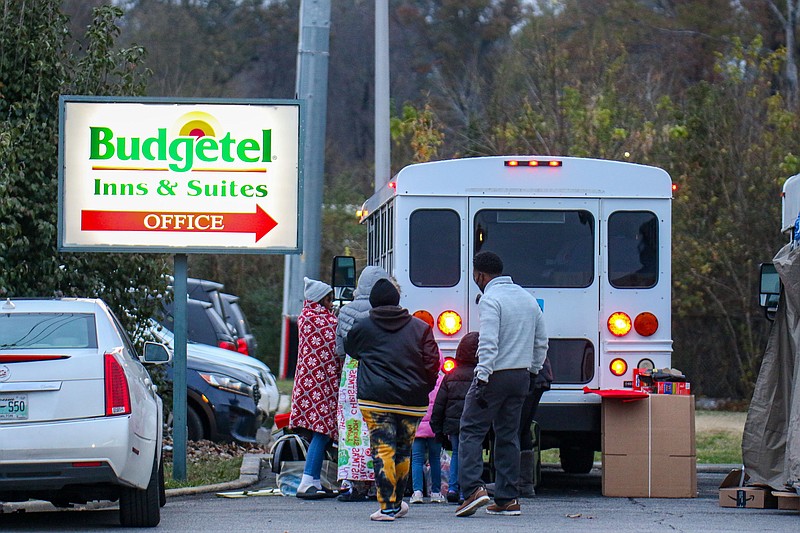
x=563, y=502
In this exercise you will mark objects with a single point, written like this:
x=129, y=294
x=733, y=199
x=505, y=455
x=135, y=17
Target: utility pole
x=312, y=87
x=383, y=147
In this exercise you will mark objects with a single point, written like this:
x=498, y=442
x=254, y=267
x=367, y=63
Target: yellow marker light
x=619, y=324
x=448, y=365
x=618, y=367
x=449, y=323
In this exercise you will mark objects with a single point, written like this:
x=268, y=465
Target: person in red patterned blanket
x=316, y=382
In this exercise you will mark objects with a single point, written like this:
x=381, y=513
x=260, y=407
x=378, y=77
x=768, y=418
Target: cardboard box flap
x=735, y=478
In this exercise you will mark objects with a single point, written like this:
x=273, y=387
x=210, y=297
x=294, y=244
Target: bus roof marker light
x=554, y=163
x=619, y=324
x=512, y=163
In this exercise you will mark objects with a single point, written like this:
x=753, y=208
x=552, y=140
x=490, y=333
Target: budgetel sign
x=189, y=176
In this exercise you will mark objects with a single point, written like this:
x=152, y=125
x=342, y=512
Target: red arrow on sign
x=259, y=222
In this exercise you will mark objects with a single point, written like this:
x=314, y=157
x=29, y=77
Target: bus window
x=572, y=360
x=633, y=249
x=434, y=248
x=540, y=248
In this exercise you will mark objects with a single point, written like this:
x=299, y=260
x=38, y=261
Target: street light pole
x=383, y=148
x=312, y=87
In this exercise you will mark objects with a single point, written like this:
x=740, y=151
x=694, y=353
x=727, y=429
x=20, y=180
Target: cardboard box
x=787, y=501
x=752, y=497
x=649, y=447
x=633, y=476
x=678, y=387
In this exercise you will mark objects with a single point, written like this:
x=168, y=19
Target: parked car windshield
x=47, y=330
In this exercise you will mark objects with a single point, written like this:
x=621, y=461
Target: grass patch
x=207, y=470
x=719, y=447
x=285, y=386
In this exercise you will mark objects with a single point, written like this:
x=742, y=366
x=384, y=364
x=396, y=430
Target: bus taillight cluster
x=645, y=324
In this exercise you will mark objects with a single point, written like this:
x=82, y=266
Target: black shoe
x=311, y=493
x=352, y=496
x=452, y=497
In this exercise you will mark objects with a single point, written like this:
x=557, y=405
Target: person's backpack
x=289, y=447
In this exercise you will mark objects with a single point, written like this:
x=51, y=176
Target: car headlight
x=223, y=382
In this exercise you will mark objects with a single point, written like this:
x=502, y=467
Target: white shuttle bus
x=590, y=240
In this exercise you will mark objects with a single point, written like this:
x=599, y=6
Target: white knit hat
x=315, y=290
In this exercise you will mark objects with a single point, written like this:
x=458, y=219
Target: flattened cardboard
x=787, y=501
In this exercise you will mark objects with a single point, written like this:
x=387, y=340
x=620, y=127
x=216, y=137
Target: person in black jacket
x=398, y=367
x=449, y=404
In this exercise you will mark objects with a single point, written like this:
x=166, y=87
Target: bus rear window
x=572, y=360
x=540, y=248
x=434, y=248
x=633, y=249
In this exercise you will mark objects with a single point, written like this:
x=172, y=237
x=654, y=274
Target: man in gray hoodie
x=513, y=345
x=355, y=462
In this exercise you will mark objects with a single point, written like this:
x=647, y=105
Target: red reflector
x=29, y=358
x=118, y=399
x=424, y=316
x=241, y=347
x=645, y=324
x=225, y=345
x=83, y=464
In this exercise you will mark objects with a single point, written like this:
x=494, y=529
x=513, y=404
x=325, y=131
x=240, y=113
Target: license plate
x=13, y=406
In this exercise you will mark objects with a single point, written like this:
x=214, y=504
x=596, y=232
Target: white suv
x=80, y=419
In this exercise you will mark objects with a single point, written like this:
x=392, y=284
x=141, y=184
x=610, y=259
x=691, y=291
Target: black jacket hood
x=390, y=317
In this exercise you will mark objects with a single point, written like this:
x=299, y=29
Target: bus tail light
x=645, y=324
x=619, y=324
x=618, y=367
x=646, y=364
x=449, y=322
x=449, y=365
x=424, y=316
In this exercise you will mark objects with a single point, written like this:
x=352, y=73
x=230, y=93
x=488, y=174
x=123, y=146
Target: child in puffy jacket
x=427, y=448
x=449, y=404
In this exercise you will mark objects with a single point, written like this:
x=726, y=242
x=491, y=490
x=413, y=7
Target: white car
x=267, y=403
x=80, y=419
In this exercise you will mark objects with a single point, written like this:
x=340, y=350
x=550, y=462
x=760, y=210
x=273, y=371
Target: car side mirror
x=770, y=289
x=156, y=353
x=343, y=277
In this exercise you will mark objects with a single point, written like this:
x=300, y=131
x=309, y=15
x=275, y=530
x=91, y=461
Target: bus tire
x=576, y=460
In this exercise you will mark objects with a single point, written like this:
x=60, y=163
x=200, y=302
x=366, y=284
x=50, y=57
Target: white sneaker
x=417, y=497
x=436, y=497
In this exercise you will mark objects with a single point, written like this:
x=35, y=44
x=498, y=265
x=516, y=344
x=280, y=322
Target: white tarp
x=771, y=439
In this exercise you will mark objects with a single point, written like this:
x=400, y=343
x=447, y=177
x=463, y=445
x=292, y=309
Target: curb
x=250, y=474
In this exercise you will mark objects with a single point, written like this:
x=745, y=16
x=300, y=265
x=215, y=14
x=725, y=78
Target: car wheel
x=141, y=507
x=577, y=460
x=194, y=425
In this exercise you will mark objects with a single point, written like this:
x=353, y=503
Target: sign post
x=180, y=176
